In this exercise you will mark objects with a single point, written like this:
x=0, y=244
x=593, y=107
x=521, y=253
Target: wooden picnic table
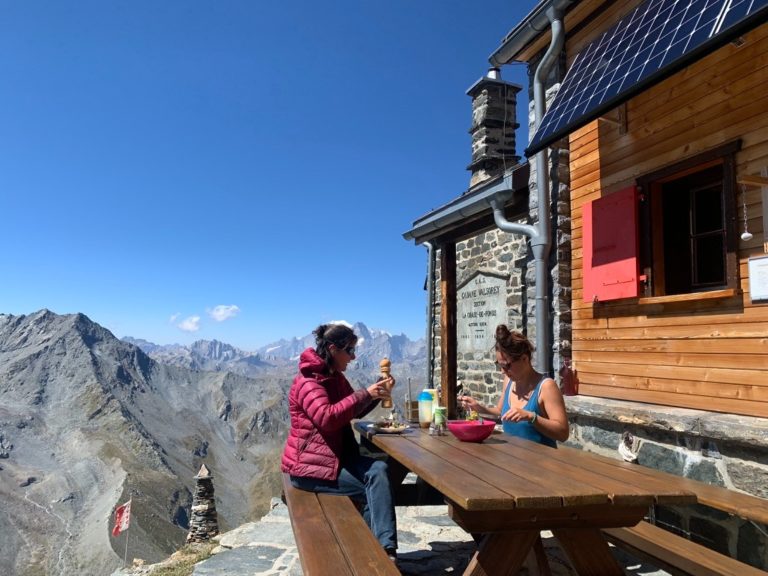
x=511, y=489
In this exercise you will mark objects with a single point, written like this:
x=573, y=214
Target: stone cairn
x=203, y=524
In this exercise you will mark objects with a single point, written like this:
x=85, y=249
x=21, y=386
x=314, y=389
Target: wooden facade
x=705, y=350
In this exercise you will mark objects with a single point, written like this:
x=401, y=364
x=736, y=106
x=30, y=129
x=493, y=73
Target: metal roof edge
x=533, y=25
x=468, y=204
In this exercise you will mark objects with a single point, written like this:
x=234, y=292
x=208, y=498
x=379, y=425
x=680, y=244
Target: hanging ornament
x=746, y=236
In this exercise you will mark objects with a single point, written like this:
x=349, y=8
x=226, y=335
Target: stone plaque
x=480, y=307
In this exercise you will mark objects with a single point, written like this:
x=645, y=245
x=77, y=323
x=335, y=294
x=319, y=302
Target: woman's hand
x=517, y=415
x=381, y=389
x=469, y=403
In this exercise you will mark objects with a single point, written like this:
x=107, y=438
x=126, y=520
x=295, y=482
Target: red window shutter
x=611, y=247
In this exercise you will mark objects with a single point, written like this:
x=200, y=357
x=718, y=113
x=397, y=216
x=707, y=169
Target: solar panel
x=659, y=38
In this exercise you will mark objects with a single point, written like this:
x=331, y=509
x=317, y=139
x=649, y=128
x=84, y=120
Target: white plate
x=388, y=429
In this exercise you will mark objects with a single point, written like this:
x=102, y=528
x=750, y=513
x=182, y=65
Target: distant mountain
x=210, y=355
x=372, y=345
x=88, y=421
x=409, y=358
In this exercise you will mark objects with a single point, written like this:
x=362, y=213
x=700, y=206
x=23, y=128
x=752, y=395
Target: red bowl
x=471, y=430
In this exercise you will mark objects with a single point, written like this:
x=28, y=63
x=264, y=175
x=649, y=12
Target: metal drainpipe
x=430, y=312
x=541, y=231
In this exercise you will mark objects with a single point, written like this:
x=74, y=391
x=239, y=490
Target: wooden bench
x=331, y=536
x=678, y=555
x=674, y=553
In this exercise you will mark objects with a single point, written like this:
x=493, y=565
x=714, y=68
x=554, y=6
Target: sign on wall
x=758, y=278
x=480, y=307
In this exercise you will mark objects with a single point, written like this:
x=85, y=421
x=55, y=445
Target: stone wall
x=502, y=254
x=719, y=449
x=498, y=252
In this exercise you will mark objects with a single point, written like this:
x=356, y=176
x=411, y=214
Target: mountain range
x=88, y=421
x=408, y=357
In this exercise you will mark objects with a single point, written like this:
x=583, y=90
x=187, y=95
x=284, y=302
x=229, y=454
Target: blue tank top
x=526, y=429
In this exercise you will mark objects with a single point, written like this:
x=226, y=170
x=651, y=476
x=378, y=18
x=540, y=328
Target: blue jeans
x=365, y=480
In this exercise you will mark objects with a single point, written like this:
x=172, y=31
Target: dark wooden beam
x=448, y=326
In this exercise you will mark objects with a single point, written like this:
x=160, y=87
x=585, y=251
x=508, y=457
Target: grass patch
x=183, y=561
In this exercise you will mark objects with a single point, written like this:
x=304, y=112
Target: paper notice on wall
x=758, y=278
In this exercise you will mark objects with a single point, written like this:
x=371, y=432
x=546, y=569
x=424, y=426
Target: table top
x=508, y=473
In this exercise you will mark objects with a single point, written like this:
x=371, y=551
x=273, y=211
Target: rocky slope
x=87, y=421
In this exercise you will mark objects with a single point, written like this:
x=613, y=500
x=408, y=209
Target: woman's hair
x=511, y=343
x=338, y=334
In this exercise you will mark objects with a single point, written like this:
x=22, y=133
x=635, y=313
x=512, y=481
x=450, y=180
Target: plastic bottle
x=425, y=408
x=435, y=400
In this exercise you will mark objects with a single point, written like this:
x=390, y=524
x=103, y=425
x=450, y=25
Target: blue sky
x=252, y=164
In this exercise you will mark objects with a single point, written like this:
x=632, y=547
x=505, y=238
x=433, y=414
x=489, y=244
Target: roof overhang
x=471, y=205
x=529, y=29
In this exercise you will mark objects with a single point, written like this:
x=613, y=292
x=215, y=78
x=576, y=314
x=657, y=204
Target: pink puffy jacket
x=321, y=407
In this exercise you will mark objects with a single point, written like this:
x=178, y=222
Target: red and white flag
x=122, y=518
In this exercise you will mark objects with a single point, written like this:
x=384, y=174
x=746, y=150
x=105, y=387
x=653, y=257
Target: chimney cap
x=203, y=473
x=494, y=73
x=478, y=86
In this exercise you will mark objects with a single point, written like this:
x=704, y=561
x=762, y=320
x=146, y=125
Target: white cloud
x=191, y=324
x=222, y=312
x=174, y=317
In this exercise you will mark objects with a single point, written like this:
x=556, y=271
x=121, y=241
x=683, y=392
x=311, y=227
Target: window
x=687, y=226
x=674, y=233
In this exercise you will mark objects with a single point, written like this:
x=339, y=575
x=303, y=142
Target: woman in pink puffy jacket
x=321, y=454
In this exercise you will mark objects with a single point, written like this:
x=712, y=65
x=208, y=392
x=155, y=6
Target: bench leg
x=588, y=552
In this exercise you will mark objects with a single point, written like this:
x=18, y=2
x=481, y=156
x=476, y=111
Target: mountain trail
x=60, y=564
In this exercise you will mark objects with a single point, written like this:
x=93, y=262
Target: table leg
x=541, y=557
x=501, y=553
x=588, y=552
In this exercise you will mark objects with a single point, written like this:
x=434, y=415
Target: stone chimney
x=493, y=127
x=203, y=523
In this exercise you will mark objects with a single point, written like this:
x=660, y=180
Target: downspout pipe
x=540, y=233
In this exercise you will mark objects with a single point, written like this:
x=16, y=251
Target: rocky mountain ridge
x=408, y=357
x=88, y=421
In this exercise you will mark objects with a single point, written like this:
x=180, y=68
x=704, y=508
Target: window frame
x=650, y=227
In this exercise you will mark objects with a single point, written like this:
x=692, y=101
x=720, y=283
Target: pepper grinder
x=384, y=368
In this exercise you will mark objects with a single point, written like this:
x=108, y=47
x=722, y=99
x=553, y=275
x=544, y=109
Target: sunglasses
x=506, y=365
x=348, y=349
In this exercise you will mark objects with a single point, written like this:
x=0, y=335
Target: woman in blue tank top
x=531, y=405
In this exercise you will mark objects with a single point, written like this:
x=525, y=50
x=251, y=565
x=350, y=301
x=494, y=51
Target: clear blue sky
x=161, y=158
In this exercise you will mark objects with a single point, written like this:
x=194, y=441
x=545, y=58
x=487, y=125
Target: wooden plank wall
x=709, y=354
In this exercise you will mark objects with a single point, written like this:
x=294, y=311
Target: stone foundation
x=719, y=449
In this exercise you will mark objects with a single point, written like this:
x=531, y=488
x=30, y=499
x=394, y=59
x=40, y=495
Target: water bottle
x=425, y=408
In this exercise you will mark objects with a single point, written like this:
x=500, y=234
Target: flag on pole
x=122, y=518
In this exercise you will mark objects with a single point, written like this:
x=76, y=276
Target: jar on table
x=440, y=420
